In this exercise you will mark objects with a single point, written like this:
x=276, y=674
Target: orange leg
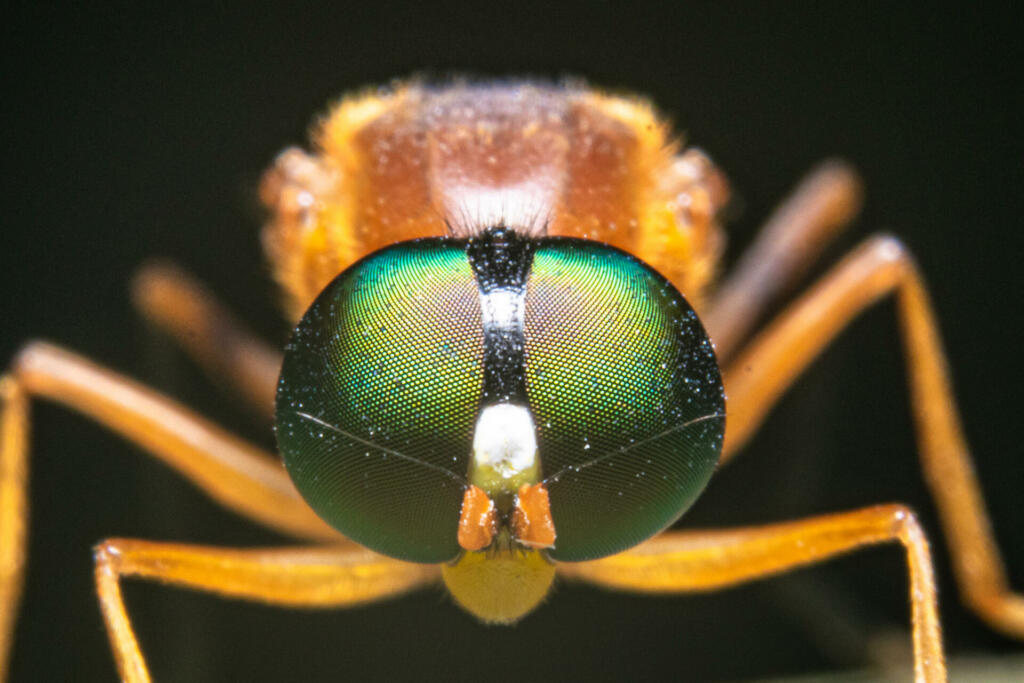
x=763, y=371
x=170, y=298
x=234, y=473
x=684, y=561
x=13, y=509
x=794, y=235
x=313, y=577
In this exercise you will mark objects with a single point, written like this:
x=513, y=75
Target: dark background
x=130, y=134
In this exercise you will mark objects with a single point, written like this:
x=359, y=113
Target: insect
x=510, y=363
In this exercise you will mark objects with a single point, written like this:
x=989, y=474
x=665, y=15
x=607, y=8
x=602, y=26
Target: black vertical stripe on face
x=501, y=261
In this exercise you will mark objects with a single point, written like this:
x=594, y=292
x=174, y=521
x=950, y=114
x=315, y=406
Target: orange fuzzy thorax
x=418, y=161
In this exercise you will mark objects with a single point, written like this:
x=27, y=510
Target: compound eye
x=626, y=395
x=378, y=393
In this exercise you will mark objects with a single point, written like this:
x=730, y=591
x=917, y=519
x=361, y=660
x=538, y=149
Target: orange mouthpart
x=477, y=521
x=531, y=520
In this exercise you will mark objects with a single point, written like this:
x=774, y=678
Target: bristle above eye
x=525, y=208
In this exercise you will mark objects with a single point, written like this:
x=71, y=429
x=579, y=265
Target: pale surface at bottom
x=967, y=669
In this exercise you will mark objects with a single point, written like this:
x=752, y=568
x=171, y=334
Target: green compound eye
x=626, y=395
x=383, y=381
x=378, y=393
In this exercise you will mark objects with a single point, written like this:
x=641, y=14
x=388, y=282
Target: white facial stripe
x=503, y=308
x=505, y=439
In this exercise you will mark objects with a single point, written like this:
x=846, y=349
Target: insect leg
x=772, y=361
x=295, y=577
x=824, y=202
x=686, y=561
x=234, y=473
x=13, y=508
x=174, y=301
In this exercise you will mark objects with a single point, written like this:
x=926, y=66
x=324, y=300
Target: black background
x=135, y=133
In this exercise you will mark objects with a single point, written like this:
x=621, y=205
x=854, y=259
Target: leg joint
x=889, y=249
x=903, y=524
x=107, y=556
x=31, y=358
